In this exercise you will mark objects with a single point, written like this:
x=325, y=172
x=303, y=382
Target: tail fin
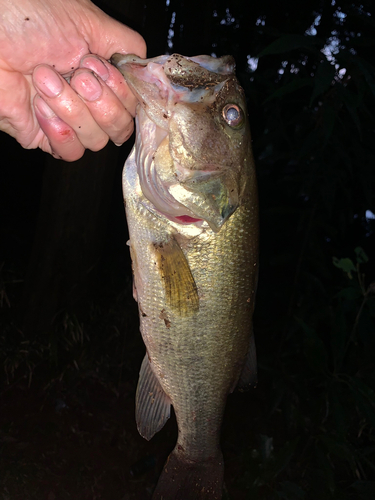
x=186, y=480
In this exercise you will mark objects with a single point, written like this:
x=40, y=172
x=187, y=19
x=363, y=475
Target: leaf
x=366, y=332
x=329, y=120
x=365, y=398
x=345, y=264
x=291, y=491
x=323, y=79
x=365, y=489
x=309, y=145
x=371, y=302
x=287, y=43
x=351, y=105
x=361, y=255
x=266, y=446
x=350, y=293
x=325, y=465
x=339, y=334
x=313, y=348
x=338, y=409
x=338, y=448
x=296, y=84
x=368, y=71
x=282, y=459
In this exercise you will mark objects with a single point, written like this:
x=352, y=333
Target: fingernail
x=86, y=85
x=43, y=107
x=47, y=81
x=96, y=65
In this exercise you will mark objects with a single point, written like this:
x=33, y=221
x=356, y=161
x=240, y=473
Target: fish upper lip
x=159, y=83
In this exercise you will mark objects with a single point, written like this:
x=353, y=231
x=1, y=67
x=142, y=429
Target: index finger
x=113, y=78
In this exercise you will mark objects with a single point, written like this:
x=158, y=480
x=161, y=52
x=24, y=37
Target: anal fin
x=153, y=406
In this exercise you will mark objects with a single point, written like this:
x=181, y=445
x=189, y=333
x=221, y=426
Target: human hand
x=37, y=106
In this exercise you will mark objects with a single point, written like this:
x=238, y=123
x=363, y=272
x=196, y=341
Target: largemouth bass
x=191, y=205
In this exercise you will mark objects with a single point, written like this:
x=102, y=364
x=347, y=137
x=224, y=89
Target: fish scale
x=195, y=283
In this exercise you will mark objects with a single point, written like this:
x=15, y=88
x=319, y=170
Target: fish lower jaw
x=186, y=225
x=182, y=220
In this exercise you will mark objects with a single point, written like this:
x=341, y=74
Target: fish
x=191, y=204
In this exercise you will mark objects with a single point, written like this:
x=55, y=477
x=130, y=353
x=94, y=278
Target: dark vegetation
x=68, y=381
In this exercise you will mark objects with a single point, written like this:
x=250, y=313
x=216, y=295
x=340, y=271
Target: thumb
x=107, y=36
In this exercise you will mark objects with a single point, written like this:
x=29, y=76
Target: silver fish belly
x=192, y=211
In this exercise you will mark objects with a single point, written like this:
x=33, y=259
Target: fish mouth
x=151, y=79
x=184, y=195
x=185, y=219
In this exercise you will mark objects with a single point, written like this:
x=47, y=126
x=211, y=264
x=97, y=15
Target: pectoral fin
x=179, y=285
x=153, y=406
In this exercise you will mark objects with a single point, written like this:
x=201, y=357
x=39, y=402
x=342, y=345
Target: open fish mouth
x=181, y=102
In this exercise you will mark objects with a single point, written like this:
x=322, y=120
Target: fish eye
x=233, y=115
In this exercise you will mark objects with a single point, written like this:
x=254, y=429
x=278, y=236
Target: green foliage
x=312, y=109
x=320, y=388
x=79, y=340
x=287, y=43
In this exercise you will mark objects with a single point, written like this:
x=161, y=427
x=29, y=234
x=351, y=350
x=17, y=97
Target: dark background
x=70, y=350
